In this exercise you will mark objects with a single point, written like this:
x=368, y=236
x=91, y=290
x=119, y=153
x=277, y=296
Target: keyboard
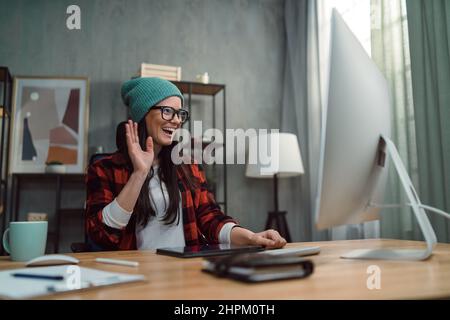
x=306, y=251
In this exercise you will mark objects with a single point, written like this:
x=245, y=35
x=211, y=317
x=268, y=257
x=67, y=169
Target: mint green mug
x=25, y=240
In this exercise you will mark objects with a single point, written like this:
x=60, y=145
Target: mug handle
x=5, y=241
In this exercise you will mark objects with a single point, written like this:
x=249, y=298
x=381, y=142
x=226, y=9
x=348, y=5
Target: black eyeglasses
x=168, y=113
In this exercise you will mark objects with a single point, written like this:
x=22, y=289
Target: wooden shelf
x=199, y=88
x=65, y=176
x=71, y=211
x=59, y=182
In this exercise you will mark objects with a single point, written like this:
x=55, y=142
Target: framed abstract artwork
x=50, y=124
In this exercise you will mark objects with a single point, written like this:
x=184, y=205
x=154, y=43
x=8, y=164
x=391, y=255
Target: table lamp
x=283, y=151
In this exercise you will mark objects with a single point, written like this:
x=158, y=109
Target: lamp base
x=277, y=220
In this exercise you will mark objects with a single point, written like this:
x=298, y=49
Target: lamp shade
x=281, y=156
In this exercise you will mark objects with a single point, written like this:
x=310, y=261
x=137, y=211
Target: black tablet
x=207, y=250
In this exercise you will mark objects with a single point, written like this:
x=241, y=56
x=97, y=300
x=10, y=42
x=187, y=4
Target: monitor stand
x=419, y=213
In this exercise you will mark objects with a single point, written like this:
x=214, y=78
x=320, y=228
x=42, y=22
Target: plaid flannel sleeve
x=210, y=217
x=99, y=187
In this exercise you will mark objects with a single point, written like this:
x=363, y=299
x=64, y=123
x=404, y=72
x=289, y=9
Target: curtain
x=429, y=34
x=412, y=50
x=301, y=113
x=390, y=51
x=307, y=24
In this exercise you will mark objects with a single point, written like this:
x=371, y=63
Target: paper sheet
x=75, y=278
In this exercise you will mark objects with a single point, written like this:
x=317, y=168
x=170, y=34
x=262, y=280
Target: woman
x=139, y=199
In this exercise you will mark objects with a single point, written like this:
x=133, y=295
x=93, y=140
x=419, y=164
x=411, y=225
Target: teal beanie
x=141, y=94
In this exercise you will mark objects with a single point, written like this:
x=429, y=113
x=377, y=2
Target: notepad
x=257, y=267
x=25, y=288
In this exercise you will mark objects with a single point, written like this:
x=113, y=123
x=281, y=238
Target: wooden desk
x=334, y=278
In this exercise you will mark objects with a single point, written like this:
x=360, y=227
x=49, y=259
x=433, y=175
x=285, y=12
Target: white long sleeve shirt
x=156, y=234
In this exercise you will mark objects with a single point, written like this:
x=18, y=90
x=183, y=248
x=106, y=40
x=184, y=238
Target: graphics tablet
x=207, y=250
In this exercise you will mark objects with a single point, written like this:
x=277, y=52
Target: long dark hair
x=167, y=173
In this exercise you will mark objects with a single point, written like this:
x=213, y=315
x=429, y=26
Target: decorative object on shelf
x=283, y=146
x=55, y=167
x=37, y=216
x=50, y=123
x=203, y=78
x=170, y=73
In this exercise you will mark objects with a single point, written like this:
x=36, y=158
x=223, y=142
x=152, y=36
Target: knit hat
x=141, y=94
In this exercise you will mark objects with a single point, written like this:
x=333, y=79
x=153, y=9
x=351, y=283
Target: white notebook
x=12, y=287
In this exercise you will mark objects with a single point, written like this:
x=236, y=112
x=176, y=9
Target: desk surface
x=334, y=278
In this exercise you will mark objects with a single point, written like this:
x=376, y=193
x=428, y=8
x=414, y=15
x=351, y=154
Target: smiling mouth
x=168, y=131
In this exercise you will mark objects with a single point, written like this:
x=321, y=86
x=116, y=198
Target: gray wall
x=240, y=43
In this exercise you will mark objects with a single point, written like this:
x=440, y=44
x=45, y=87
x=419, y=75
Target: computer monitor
x=355, y=147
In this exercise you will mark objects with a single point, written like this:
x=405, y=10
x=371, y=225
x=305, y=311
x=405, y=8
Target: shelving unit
x=59, y=182
x=212, y=90
x=6, y=84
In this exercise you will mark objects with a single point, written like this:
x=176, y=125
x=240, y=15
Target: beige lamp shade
x=283, y=152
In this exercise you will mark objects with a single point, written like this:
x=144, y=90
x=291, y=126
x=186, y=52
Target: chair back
x=121, y=144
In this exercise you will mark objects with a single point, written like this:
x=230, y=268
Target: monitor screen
x=357, y=114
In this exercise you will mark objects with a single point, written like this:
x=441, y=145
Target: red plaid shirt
x=202, y=217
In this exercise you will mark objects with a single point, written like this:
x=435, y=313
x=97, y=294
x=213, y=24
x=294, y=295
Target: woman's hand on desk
x=270, y=239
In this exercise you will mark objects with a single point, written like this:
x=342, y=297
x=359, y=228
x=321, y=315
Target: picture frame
x=50, y=120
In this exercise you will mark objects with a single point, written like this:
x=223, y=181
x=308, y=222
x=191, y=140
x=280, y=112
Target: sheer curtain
x=390, y=50
x=429, y=32
x=306, y=72
x=301, y=112
x=382, y=28
x=410, y=43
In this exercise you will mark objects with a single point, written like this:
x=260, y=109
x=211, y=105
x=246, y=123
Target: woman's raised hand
x=142, y=160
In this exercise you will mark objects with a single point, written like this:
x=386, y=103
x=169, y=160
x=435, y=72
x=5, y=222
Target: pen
x=37, y=276
x=118, y=262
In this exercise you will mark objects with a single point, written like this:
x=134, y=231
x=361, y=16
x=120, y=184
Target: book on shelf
x=170, y=73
